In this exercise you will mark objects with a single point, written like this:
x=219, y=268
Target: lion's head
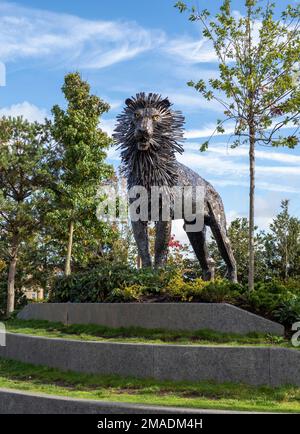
x=149, y=133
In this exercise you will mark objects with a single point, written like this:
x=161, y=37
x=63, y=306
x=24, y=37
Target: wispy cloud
x=32, y=33
x=268, y=186
x=210, y=129
x=207, y=130
x=191, y=101
x=190, y=50
x=263, y=155
x=218, y=165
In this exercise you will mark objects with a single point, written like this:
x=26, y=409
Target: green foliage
x=288, y=311
x=193, y=290
x=282, y=244
x=23, y=172
x=258, y=81
x=271, y=300
x=109, y=282
x=78, y=167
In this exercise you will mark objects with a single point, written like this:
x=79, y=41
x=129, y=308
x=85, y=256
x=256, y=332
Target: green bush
x=288, y=312
x=274, y=300
x=108, y=283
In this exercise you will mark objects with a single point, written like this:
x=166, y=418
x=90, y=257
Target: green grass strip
x=206, y=395
x=141, y=335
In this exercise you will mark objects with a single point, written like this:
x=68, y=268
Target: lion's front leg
x=162, y=239
x=140, y=232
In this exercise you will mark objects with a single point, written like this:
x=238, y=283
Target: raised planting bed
x=219, y=317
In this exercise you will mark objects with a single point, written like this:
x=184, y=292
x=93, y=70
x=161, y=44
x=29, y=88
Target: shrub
x=222, y=291
x=126, y=294
x=106, y=283
x=268, y=297
x=218, y=291
x=288, y=312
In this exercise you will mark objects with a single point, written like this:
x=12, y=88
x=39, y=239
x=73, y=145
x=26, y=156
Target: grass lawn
x=206, y=395
x=140, y=335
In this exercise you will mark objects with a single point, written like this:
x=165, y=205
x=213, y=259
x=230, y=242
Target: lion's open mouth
x=143, y=144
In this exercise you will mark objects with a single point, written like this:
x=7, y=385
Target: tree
x=258, y=84
x=22, y=171
x=78, y=158
x=238, y=233
x=283, y=244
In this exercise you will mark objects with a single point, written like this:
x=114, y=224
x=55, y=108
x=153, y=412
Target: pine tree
x=23, y=148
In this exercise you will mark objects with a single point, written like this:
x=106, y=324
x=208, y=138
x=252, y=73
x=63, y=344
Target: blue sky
x=125, y=46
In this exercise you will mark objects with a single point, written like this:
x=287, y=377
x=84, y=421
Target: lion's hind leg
x=162, y=239
x=218, y=228
x=198, y=242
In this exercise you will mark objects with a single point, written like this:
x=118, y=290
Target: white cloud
x=191, y=51
x=210, y=129
x=114, y=154
x=263, y=155
x=29, y=111
x=265, y=210
x=107, y=125
x=207, y=131
x=34, y=33
x=226, y=166
x=267, y=186
x=193, y=101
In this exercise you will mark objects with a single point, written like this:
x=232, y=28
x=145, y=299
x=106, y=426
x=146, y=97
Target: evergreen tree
x=238, y=233
x=283, y=244
x=22, y=172
x=78, y=161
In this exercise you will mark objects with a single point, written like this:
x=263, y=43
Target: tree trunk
x=10, y=307
x=286, y=265
x=251, y=211
x=69, y=251
x=138, y=262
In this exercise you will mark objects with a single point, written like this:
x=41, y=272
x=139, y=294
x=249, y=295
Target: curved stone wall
x=250, y=365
